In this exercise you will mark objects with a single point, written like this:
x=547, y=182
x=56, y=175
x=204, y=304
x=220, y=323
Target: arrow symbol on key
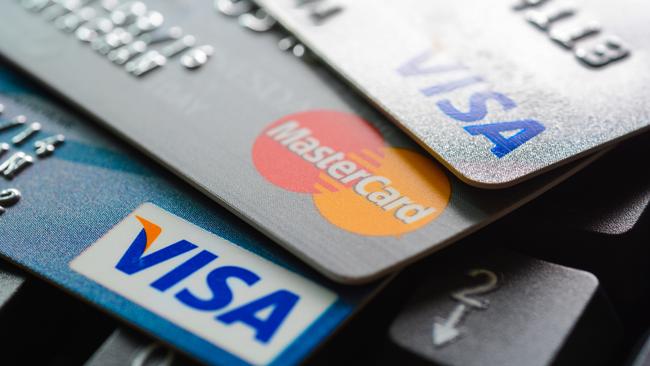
x=445, y=331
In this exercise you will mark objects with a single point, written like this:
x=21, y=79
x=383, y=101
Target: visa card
x=276, y=139
x=86, y=213
x=497, y=91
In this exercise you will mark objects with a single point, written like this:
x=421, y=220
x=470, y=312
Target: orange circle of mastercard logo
x=357, y=182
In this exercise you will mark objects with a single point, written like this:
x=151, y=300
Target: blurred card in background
x=497, y=91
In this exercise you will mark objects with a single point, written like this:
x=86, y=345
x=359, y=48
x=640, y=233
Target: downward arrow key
x=498, y=308
x=445, y=331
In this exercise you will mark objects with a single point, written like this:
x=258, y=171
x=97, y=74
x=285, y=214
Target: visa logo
x=280, y=302
x=229, y=296
x=506, y=136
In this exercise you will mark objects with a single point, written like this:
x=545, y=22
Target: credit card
x=91, y=216
x=276, y=139
x=498, y=91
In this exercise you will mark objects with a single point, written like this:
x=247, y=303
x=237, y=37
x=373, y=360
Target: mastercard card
x=83, y=212
x=213, y=94
x=497, y=91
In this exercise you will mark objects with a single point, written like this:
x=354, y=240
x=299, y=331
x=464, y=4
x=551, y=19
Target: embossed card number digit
x=545, y=16
x=8, y=197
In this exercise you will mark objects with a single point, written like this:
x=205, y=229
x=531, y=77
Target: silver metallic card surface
x=275, y=139
x=497, y=91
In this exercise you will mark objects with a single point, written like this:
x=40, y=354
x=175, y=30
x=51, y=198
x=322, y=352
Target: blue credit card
x=93, y=216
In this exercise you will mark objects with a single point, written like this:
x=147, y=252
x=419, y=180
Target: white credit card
x=498, y=91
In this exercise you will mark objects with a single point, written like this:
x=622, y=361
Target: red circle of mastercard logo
x=358, y=183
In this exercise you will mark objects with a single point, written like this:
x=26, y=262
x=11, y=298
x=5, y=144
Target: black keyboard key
x=127, y=347
x=500, y=308
x=598, y=221
x=358, y=342
x=641, y=355
x=11, y=281
x=41, y=325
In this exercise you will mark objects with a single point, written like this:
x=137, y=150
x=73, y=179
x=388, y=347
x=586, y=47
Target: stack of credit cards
x=157, y=245
x=286, y=158
x=281, y=143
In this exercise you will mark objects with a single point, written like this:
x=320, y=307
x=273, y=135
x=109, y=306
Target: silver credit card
x=275, y=139
x=497, y=91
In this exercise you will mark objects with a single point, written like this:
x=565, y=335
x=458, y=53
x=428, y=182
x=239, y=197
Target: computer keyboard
x=110, y=259
x=542, y=314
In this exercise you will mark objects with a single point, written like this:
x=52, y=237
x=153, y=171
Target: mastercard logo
x=357, y=182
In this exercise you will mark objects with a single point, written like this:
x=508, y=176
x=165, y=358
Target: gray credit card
x=498, y=91
x=275, y=139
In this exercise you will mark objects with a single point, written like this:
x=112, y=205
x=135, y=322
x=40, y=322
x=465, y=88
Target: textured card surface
x=498, y=91
x=275, y=139
x=89, y=215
